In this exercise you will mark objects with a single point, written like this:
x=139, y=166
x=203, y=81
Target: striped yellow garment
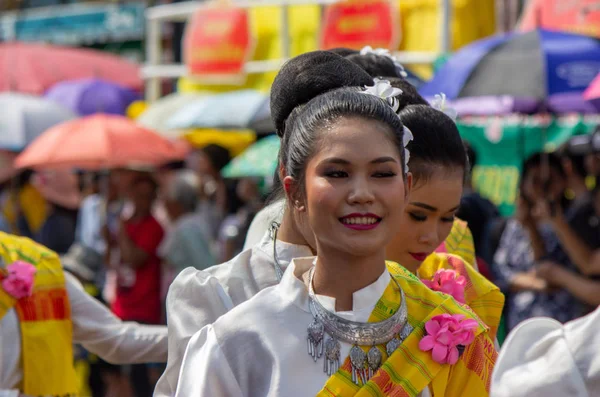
x=45, y=321
x=460, y=242
x=408, y=371
x=481, y=295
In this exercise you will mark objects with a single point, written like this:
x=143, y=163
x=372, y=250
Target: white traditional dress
x=198, y=298
x=259, y=348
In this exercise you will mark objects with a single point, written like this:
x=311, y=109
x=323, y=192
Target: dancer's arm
x=104, y=334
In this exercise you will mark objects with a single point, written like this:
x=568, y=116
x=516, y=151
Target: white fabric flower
x=439, y=103
x=384, y=52
x=407, y=136
x=384, y=90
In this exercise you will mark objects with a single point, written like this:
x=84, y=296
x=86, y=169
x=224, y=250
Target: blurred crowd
x=126, y=234
x=546, y=257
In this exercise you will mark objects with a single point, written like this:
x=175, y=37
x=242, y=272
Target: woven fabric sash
x=460, y=242
x=481, y=295
x=44, y=319
x=409, y=370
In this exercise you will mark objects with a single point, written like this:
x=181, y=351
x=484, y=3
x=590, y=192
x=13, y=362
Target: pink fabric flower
x=445, y=333
x=448, y=282
x=19, y=280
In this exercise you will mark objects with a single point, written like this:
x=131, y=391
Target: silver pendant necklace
x=273, y=233
x=391, y=331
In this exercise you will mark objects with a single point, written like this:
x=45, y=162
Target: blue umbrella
x=25, y=117
x=89, y=96
x=243, y=109
x=548, y=66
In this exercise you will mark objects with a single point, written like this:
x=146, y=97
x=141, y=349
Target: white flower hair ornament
x=384, y=52
x=407, y=136
x=384, y=90
x=439, y=103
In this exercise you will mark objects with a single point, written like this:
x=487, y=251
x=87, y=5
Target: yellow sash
x=409, y=370
x=481, y=295
x=460, y=242
x=45, y=321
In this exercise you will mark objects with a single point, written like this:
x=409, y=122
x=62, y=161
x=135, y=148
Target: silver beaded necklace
x=391, y=331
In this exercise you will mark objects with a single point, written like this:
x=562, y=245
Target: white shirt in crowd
x=259, y=347
x=197, y=298
x=94, y=327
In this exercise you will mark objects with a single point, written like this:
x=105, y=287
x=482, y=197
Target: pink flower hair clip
x=448, y=282
x=18, y=279
x=447, y=336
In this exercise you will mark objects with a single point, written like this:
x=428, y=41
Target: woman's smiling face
x=354, y=190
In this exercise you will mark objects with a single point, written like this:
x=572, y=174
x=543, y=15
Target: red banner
x=357, y=23
x=217, y=44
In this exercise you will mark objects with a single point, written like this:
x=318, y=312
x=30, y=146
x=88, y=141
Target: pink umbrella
x=97, y=142
x=33, y=68
x=592, y=93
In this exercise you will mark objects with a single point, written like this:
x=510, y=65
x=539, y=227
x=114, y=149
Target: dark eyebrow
x=380, y=160
x=430, y=208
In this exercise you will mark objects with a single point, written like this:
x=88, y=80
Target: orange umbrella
x=99, y=141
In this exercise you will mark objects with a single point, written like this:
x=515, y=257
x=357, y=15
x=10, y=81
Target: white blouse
x=197, y=298
x=95, y=327
x=259, y=348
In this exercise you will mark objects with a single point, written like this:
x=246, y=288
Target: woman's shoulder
x=249, y=320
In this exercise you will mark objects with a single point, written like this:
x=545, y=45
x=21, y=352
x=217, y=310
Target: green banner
x=503, y=143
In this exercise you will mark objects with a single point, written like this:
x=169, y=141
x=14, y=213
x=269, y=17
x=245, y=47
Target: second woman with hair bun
x=380, y=64
x=346, y=322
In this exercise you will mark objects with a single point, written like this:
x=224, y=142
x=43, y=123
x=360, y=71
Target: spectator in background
x=573, y=164
x=60, y=189
x=592, y=158
x=581, y=241
x=235, y=226
x=527, y=240
x=138, y=271
x=477, y=211
x=214, y=195
x=189, y=242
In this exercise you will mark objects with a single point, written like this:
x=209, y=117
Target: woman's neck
x=288, y=231
x=340, y=276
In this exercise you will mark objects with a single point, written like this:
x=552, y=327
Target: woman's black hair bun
x=309, y=75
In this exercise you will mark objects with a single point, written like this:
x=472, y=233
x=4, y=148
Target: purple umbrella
x=90, y=96
x=553, y=68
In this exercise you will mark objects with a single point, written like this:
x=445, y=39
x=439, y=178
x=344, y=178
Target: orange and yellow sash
x=481, y=295
x=408, y=371
x=45, y=321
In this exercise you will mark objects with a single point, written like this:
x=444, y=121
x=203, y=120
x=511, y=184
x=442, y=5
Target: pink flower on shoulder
x=448, y=282
x=18, y=281
x=445, y=334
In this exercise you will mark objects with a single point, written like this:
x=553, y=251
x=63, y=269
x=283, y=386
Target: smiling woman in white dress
x=344, y=323
x=198, y=297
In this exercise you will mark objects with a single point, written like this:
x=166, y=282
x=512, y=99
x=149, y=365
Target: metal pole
x=153, y=49
x=285, y=32
x=446, y=29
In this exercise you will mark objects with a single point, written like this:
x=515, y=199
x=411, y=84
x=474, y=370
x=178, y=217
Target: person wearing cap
x=44, y=311
x=542, y=357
